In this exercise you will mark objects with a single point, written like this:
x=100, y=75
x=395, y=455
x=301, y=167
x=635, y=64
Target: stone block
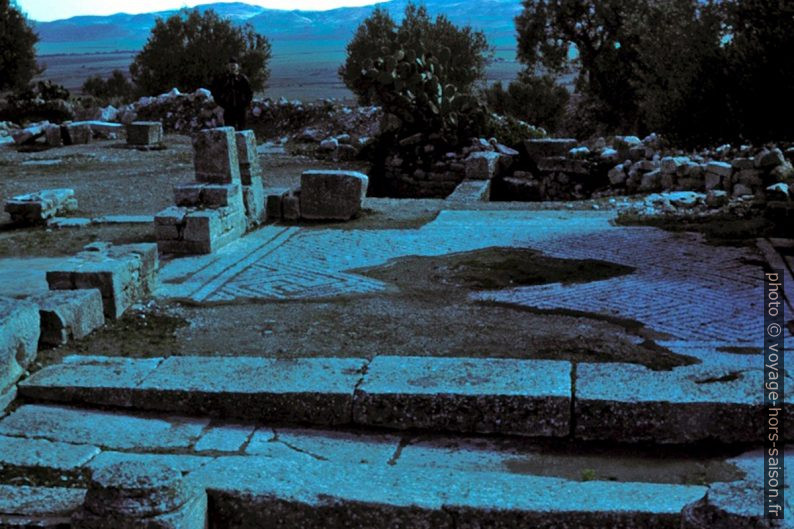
x=724, y=170
x=543, y=148
x=43, y=454
x=254, y=202
x=482, y=165
x=36, y=208
x=250, y=169
x=521, y=397
x=331, y=195
x=145, y=133
x=68, y=315
x=171, y=216
x=215, y=156
x=53, y=136
x=77, y=133
x=30, y=134
x=273, y=199
x=24, y=507
x=559, y=164
x=712, y=181
x=197, y=194
x=651, y=181
x=749, y=177
x=670, y=164
x=769, y=158
x=134, y=494
x=631, y=403
x=123, y=274
x=19, y=338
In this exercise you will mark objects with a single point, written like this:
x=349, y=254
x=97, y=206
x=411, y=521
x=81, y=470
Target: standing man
x=232, y=91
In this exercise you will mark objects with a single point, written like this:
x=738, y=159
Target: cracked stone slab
x=225, y=438
x=279, y=492
x=103, y=429
x=297, y=390
x=180, y=462
x=326, y=445
x=36, y=502
x=632, y=403
x=19, y=337
x=525, y=397
x=99, y=380
x=40, y=453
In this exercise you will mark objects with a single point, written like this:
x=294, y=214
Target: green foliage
x=41, y=101
x=414, y=91
x=462, y=52
x=117, y=86
x=511, y=131
x=189, y=49
x=17, y=53
x=534, y=99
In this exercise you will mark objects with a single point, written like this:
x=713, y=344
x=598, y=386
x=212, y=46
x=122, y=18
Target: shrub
x=462, y=52
x=17, y=53
x=538, y=100
x=189, y=49
x=117, y=87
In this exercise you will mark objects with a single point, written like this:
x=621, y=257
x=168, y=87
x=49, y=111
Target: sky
x=47, y=10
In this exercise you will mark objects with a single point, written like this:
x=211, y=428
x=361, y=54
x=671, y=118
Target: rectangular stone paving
x=688, y=404
x=20, y=503
x=98, y=380
x=103, y=429
x=40, y=453
x=302, y=390
x=468, y=395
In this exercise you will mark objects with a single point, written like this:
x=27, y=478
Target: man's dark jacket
x=232, y=92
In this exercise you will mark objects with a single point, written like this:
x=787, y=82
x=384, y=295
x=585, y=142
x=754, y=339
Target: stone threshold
x=622, y=403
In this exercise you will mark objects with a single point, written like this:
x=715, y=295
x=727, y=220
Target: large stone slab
x=36, y=208
x=77, y=133
x=19, y=338
x=145, y=133
x=123, y=274
x=42, y=454
x=215, y=156
x=524, y=397
x=104, y=429
x=47, y=506
x=197, y=194
x=631, y=403
x=332, y=195
x=310, y=493
x=225, y=438
x=301, y=390
x=68, y=315
x=250, y=169
x=482, y=165
x=97, y=380
x=199, y=231
x=545, y=147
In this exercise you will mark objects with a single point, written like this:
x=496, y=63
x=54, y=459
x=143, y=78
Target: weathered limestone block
x=274, y=197
x=30, y=134
x=135, y=494
x=724, y=170
x=53, y=136
x=250, y=169
x=36, y=208
x=123, y=274
x=215, y=156
x=482, y=165
x=19, y=337
x=187, y=231
x=196, y=194
x=671, y=164
x=712, y=181
x=145, y=133
x=291, y=206
x=77, y=133
x=543, y=148
x=651, y=180
x=68, y=314
x=254, y=202
x=332, y=195
x=24, y=507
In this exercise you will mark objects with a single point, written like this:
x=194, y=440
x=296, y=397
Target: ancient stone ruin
x=37, y=208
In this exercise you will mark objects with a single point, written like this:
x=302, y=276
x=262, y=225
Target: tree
x=599, y=38
x=189, y=48
x=115, y=86
x=465, y=50
x=538, y=100
x=759, y=64
x=17, y=48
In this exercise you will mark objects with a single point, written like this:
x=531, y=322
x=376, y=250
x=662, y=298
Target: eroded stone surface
x=40, y=453
x=303, y=390
x=98, y=380
x=39, y=501
x=470, y=395
x=68, y=314
x=690, y=403
x=19, y=337
x=225, y=438
x=36, y=208
x=103, y=429
x=145, y=133
x=215, y=156
x=332, y=195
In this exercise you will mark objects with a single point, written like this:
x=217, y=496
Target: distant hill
x=308, y=46
x=123, y=31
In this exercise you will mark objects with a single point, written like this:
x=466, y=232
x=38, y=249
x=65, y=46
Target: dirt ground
x=428, y=310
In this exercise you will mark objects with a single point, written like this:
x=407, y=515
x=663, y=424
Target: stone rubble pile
x=226, y=198
x=37, y=208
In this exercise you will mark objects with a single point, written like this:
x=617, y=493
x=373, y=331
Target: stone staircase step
x=23, y=507
x=535, y=398
x=261, y=476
